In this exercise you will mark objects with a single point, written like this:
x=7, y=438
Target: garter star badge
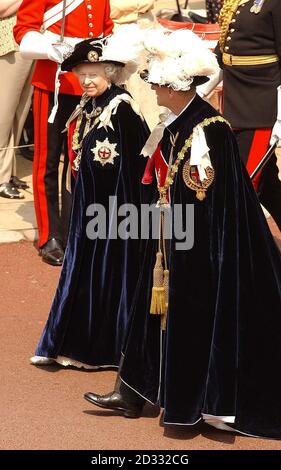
x=104, y=152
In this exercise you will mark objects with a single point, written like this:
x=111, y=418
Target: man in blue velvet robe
x=220, y=355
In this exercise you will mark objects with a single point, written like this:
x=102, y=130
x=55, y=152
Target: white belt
x=54, y=14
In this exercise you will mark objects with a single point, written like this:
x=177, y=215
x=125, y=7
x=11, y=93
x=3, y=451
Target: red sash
x=158, y=165
x=71, y=153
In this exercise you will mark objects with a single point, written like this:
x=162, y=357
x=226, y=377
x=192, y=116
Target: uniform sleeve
x=29, y=18
x=218, y=54
x=277, y=25
x=108, y=23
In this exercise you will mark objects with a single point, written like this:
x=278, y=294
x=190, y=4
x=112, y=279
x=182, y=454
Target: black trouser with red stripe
x=49, y=143
x=253, y=144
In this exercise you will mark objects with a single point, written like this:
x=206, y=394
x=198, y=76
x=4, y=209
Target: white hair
x=113, y=73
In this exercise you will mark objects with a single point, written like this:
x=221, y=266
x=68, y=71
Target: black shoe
x=17, y=183
x=197, y=18
x=52, y=252
x=27, y=153
x=180, y=18
x=115, y=401
x=9, y=191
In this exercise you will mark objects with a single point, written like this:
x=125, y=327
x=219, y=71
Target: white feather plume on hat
x=175, y=58
x=125, y=45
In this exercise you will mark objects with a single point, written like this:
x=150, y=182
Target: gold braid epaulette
x=182, y=154
x=227, y=13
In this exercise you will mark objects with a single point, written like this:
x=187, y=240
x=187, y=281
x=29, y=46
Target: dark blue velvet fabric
x=89, y=315
x=221, y=353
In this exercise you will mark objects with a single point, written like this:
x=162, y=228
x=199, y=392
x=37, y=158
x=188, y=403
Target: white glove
x=276, y=131
x=276, y=134
x=35, y=45
x=208, y=87
x=60, y=51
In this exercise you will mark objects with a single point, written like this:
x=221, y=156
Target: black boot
x=122, y=399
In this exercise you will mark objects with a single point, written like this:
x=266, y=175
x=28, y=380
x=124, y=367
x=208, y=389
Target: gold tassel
x=157, y=306
x=166, y=293
x=160, y=289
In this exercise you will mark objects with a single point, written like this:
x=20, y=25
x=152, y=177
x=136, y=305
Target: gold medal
x=192, y=181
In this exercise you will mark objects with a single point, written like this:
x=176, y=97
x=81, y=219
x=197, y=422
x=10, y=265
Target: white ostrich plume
x=175, y=58
x=125, y=46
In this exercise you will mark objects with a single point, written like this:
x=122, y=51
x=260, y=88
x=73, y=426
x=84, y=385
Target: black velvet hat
x=87, y=51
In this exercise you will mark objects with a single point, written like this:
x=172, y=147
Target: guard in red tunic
x=40, y=26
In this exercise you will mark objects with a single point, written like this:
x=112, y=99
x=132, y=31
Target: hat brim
x=198, y=80
x=68, y=65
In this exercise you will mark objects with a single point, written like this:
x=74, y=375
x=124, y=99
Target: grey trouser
x=15, y=99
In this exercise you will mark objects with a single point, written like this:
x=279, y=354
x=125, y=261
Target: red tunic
x=90, y=19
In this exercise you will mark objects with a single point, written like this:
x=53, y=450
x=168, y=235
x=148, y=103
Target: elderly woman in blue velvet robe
x=89, y=315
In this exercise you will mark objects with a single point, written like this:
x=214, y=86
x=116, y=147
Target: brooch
x=93, y=56
x=104, y=152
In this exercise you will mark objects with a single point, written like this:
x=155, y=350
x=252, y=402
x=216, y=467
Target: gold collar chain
x=173, y=169
x=76, y=142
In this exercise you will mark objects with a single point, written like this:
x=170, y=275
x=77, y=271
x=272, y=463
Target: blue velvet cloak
x=89, y=314
x=221, y=352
